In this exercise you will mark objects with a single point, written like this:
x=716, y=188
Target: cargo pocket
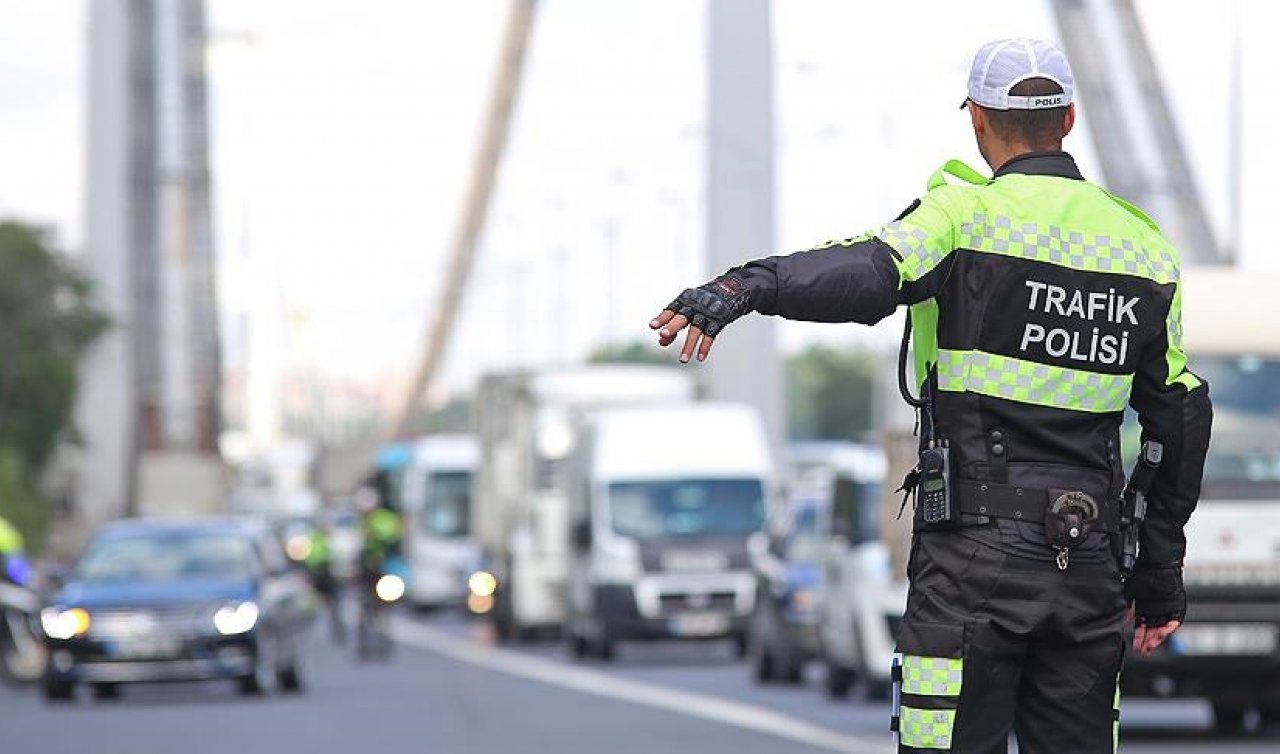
x=928, y=674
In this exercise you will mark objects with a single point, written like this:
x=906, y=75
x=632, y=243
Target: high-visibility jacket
x=1042, y=306
x=11, y=540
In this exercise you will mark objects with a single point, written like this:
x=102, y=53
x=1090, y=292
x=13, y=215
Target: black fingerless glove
x=1156, y=594
x=712, y=306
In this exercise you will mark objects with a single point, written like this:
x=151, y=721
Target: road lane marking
x=704, y=706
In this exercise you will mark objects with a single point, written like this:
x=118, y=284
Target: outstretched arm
x=859, y=279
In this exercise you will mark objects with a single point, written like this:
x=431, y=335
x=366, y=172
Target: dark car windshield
x=167, y=557
x=447, y=512
x=687, y=508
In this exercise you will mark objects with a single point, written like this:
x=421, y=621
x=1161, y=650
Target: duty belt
x=1024, y=503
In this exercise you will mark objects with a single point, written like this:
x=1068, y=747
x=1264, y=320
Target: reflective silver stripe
x=912, y=244
x=1080, y=251
x=1030, y=382
x=926, y=728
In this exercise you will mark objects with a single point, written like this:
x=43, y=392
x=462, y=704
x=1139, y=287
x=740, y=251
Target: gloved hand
x=712, y=306
x=1156, y=593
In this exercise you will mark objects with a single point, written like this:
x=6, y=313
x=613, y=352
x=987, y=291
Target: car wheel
x=58, y=691
x=263, y=667
x=761, y=659
x=576, y=644
x=252, y=684
x=1228, y=717
x=503, y=615
x=793, y=672
x=606, y=647
x=289, y=678
x=103, y=692
x=838, y=681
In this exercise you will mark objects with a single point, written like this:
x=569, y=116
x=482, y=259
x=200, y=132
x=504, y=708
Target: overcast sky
x=344, y=133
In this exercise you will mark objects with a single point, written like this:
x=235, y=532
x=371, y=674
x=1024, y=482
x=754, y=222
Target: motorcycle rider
x=13, y=563
x=380, y=529
x=319, y=563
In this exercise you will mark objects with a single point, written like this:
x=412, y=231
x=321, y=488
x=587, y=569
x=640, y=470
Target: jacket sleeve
x=860, y=279
x=1173, y=407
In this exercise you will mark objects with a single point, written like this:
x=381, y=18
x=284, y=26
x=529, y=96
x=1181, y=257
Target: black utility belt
x=1032, y=504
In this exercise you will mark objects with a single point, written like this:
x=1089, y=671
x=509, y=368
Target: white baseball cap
x=1003, y=64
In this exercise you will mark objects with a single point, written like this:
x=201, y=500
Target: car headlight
x=482, y=584
x=298, y=547
x=64, y=624
x=236, y=618
x=389, y=588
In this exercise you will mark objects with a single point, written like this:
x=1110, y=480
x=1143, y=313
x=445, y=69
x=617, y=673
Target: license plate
x=150, y=647
x=1226, y=639
x=700, y=624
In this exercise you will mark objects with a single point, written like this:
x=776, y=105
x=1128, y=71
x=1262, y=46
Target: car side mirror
x=581, y=535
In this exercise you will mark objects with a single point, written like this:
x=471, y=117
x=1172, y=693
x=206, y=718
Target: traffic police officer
x=1041, y=305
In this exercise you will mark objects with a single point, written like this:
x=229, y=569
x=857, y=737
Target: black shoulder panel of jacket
x=1181, y=418
x=848, y=281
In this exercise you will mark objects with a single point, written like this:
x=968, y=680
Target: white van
x=659, y=530
x=438, y=544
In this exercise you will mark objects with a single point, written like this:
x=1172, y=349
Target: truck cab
x=527, y=427
x=439, y=547
x=1228, y=649
x=659, y=539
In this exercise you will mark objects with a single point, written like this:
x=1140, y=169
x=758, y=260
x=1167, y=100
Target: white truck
x=659, y=533
x=440, y=548
x=1228, y=650
x=525, y=425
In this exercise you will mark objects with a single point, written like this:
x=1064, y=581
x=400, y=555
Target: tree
x=831, y=393
x=47, y=322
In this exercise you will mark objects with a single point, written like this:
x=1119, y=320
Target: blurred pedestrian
x=1041, y=305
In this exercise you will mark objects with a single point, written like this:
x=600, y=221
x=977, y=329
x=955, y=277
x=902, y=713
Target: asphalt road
x=448, y=690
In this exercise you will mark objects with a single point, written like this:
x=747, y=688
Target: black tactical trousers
x=993, y=642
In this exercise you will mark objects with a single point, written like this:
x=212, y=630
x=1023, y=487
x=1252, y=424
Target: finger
x=663, y=318
x=1139, y=638
x=704, y=348
x=1165, y=631
x=671, y=329
x=1154, y=636
x=690, y=342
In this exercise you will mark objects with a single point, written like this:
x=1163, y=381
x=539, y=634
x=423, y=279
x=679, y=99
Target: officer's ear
x=1069, y=120
x=979, y=120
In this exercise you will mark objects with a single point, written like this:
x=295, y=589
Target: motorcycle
x=379, y=591
x=22, y=652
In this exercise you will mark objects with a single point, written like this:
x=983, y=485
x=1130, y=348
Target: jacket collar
x=1054, y=163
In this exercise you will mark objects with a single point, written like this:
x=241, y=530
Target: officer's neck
x=999, y=153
